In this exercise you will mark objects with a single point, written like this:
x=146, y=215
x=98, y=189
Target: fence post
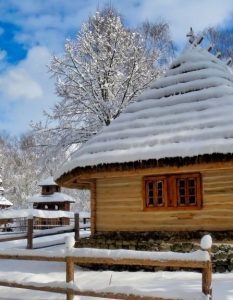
x=207, y=279
x=69, y=277
x=206, y=244
x=30, y=232
x=84, y=222
x=76, y=227
x=69, y=267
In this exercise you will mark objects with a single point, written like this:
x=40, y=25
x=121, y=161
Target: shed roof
x=55, y=197
x=186, y=113
x=4, y=201
x=47, y=182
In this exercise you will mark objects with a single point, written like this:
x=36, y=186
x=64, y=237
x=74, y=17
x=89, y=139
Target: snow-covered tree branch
x=100, y=72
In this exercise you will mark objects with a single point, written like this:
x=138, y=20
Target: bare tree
x=157, y=36
x=100, y=72
x=221, y=39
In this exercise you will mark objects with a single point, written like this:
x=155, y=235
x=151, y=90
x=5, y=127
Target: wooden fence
x=130, y=259
x=27, y=231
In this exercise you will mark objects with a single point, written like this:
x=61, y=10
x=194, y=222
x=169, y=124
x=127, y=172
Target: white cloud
x=25, y=80
x=42, y=26
x=183, y=14
x=47, y=22
x=18, y=84
x=26, y=90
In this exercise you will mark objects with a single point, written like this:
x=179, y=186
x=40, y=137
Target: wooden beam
x=60, y=290
x=30, y=233
x=93, y=208
x=32, y=257
x=141, y=262
x=76, y=227
x=69, y=277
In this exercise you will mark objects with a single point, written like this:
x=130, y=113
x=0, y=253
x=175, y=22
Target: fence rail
x=130, y=258
x=32, y=230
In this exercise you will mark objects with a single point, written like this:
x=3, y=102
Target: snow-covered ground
x=167, y=284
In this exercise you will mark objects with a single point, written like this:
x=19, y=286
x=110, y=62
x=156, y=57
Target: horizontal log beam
x=86, y=293
x=110, y=261
x=31, y=257
x=141, y=262
x=8, y=239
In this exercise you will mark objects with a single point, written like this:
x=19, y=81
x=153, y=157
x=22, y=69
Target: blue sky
x=32, y=30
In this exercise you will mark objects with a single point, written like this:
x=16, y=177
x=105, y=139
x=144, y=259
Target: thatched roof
x=186, y=113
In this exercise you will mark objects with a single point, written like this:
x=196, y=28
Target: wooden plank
x=218, y=171
x=213, y=183
x=115, y=197
x=32, y=257
x=218, y=191
x=120, y=200
x=7, y=239
x=93, y=208
x=30, y=222
x=118, y=209
x=76, y=227
x=69, y=276
x=158, y=227
x=141, y=262
x=218, y=205
x=207, y=279
x=85, y=293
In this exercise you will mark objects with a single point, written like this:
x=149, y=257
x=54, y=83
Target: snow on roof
x=4, y=201
x=26, y=213
x=55, y=197
x=47, y=181
x=187, y=112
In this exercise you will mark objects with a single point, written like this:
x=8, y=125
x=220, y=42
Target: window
x=156, y=192
x=173, y=191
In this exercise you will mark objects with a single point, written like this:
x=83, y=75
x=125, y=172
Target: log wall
x=119, y=202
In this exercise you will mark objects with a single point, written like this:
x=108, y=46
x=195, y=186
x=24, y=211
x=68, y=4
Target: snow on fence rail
x=200, y=259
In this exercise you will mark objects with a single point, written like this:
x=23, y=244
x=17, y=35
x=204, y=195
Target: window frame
x=164, y=188
x=171, y=191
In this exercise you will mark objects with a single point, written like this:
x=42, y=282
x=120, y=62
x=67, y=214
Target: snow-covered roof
x=187, y=112
x=4, y=201
x=47, y=181
x=55, y=197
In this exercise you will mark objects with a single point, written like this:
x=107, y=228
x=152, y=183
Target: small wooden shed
x=52, y=199
x=166, y=163
x=4, y=203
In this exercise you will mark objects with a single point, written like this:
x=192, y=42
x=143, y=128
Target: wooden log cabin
x=52, y=199
x=166, y=163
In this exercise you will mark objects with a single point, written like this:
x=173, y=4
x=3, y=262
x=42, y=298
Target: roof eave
x=66, y=178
